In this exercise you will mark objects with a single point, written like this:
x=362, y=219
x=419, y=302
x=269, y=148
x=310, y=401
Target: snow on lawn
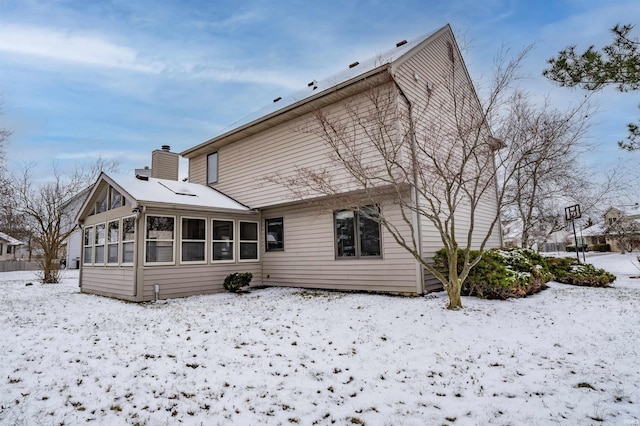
x=568, y=355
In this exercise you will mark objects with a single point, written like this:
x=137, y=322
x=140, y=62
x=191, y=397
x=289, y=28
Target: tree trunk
x=453, y=290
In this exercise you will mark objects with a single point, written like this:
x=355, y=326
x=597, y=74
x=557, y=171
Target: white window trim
x=233, y=240
x=91, y=240
x=103, y=245
x=206, y=229
x=122, y=241
x=173, y=241
x=117, y=244
x=257, y=242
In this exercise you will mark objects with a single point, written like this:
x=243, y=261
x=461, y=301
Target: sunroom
x=146, y=238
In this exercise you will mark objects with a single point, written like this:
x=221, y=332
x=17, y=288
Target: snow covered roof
x=169, y=194
x=316, y=89
x=10, y=240
x=594, y=230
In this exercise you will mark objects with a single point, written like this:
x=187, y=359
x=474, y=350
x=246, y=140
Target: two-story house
x=154, y=236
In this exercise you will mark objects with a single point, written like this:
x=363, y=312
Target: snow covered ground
x=569, y=355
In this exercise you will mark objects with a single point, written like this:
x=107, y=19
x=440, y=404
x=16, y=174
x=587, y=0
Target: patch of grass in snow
x=585, y=385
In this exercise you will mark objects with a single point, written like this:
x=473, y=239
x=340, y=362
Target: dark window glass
x=274, y=234
x=357, y=234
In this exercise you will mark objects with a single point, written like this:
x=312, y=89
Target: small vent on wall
x=401, y=43
x=354, y=64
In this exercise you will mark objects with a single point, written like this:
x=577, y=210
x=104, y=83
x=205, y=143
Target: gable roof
x=10, y=240
x=165, y=193
x=316, y=89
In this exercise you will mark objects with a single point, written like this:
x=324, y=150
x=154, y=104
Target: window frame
x=266, y=234
x=85, y=245
x=147, y=240
x=356, y=235
x=203, y=241
x=234, y=247
x=109, y=243
x=256, y=241
x=96, y=245
x=120, y=198
x=123, y=241
x=217, y=169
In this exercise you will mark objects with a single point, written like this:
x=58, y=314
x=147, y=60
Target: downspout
x=415, y=194
x=137, y=248
x=81, y=260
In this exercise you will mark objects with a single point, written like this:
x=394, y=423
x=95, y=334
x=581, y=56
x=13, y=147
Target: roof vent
x=356, y=63
x=166, y=148
x=277, y=99
x=311, y=83
x=401, y=43
x=142, y=177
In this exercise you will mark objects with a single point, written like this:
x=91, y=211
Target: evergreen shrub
x=234, y=282
x=568, y=270
x=500, y=274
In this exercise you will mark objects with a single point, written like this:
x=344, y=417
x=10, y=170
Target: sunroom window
x=88, y=246
x=159, y=239
x=99, y=244
x=193, y=239
x=248, y=240
x=113, y=239
x=222, y=237
x=128, y=238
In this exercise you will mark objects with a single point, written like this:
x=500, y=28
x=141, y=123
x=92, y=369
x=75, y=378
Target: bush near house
x=600, y=247
x=234, y=282
x=501, y=274
x=568, y=270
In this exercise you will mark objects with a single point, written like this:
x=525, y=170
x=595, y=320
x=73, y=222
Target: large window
x=115, y=198
x=357, y=234
x=99, y=244
x=248, y=240
x=101, y=204
x=88, y=245
x=128, y=238
x=159, y=239
x=274, y=234
x=193, y=240
x=113, y=239
x=212, y=167
x=222, y=237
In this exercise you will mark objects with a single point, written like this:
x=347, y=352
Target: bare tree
x=430, y=154
x=546, y=165
x=49, y=212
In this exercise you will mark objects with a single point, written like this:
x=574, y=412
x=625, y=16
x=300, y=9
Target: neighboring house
x=73, y=245
x=10, y=248
x=153, y=234
x=618, y=224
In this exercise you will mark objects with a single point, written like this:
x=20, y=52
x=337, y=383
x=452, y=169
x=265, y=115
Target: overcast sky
x=121, y=78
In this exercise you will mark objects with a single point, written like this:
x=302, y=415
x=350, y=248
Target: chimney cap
x=166, y=148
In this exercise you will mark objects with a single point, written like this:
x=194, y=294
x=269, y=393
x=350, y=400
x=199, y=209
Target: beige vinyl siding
x=183, y=281
x=247, y=168
x=422, y=77
x=164, y=165
x=308, y=259
x=198, y=169
x=108, y=281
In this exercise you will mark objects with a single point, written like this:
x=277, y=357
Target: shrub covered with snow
x=234, y=282
x=570, y=271
x=501, y=274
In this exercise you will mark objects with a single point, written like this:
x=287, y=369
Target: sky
x=120, y=78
